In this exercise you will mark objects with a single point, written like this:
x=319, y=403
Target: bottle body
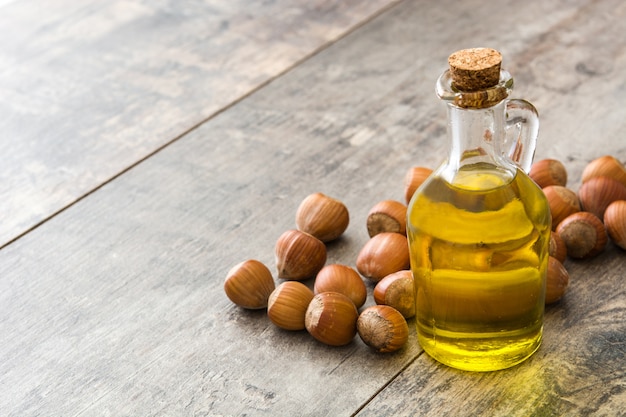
x=479, y=254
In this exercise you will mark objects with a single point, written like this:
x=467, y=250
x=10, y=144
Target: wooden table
x=147, y=147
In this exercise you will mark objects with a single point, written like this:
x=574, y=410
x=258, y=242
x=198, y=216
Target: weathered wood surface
x=88, y=89
x=115, y=306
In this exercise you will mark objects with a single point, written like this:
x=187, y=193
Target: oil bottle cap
x=475, y=68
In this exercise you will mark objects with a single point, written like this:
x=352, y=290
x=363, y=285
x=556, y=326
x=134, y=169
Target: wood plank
x=572, y=70
x=87, y=89
x=116, y=307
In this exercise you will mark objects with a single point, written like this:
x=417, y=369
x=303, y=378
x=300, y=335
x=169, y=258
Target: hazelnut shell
x=331, y=318
x=605, y=166
x=342, y=279
x=562, y=202
x=322, y=216
x=382, y=255
x=287, y=305
x=548, y=172
x=557, y=281
x=615, y=222
x=249, y=284
x=397, y=290
x=387, y=216
x=597, y=193
x=299, y=255
x=584, y=235
x=557, y=247
x=383, y=328
x=414, y=177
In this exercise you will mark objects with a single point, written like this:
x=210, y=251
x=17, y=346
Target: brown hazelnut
x=342, y=279
x=548, y=172
x=387, y=216
x=605, y=166
x=562, y=202
x=557, y=281
x=322, y=216
x=397, y=290
x=331, y=318
x=299, y=255
x=382, y=328
x=414, y=177
x=249, y=284
x=557, y=247
x=615, y=222
x=584, y=235
x=287, y=305
x=382, y=255
x=598, y=192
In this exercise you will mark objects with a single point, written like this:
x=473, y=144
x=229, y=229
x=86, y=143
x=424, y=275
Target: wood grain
x=115, y=306
x=88, y=89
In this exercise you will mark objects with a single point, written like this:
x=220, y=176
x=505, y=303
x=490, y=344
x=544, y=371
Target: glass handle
x=522, y=128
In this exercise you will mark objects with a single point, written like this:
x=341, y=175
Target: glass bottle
x=479, y=227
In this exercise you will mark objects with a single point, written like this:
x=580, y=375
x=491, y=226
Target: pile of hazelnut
x=330, y=311
x=582, y=223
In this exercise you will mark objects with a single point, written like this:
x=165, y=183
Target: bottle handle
x=522, y=128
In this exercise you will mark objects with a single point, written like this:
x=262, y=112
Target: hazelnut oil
x=479, y=227
x=479, y=259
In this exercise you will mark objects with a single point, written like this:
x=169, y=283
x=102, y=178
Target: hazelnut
x=615, y=222
x=557, y=280
x=331, y=318
x=387, y=216
x=397, y=290
x=299, y=255
x=249, y=284
x=382, y=255
x=584, y=235
x=605, y=166
x=414, y=177
x=562, y=202
x=382, y=328
x=342, y=279
x=557, y=247
x=322, y=216
x=598, y=192
x=287, y=305
x=548, y=172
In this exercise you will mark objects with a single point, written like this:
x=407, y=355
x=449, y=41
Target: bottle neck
x=475, y=139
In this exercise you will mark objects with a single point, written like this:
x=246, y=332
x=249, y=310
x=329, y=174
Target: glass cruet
x=479, y=227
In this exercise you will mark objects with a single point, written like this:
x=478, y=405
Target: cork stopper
x=475, y=69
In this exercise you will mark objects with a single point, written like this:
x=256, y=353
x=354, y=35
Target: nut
x=331, y=318
x=249, y=284
x=287, y=305
x=322, y=216
x=414, y=177
x=397, y=290
x=342, y=279
x=387, y=216
x=584, y=235
x=615, y=222
x=605, y=166
x=557, y=247
x=598, y=192
x=562, y=202
x=382, y=255
x=548, y=172
x=382, y=328
x=299, y=255
x=557, y=280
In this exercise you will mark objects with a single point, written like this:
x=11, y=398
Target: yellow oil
x=479, y=253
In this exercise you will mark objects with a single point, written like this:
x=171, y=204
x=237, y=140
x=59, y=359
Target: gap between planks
x=382, y=388
x=208, y=118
